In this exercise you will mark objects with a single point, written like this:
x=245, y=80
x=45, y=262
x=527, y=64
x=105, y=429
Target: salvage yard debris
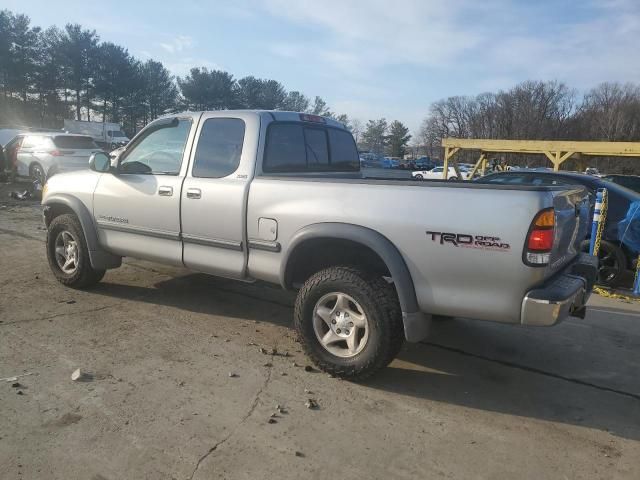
x=15, y=377
x=311, y=404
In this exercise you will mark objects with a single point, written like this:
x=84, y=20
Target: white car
x=42, y=154
x=436, y=174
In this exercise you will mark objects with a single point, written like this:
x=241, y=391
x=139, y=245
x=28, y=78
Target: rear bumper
x=565, y=295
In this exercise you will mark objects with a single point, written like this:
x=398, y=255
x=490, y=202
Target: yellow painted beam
x=618, y=149
x=550, y=156
x=481, y=161
x=566, y=156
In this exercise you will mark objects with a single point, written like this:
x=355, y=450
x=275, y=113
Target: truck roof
x=277, y=115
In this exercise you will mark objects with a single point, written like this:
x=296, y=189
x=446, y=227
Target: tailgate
x=572, y=223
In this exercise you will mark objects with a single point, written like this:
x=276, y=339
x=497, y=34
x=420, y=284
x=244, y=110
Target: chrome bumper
x=565, y=295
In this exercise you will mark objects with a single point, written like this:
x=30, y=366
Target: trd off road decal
x=466, y=240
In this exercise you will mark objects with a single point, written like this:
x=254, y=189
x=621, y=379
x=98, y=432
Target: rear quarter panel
x=449, y=280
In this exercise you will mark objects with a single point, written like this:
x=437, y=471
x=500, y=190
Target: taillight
x=540, y=238
x=61, y=153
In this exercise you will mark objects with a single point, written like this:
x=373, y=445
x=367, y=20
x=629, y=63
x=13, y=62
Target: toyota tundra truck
x=279, y=197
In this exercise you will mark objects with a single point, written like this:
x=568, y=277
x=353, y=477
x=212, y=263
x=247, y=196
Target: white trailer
x=108, y=135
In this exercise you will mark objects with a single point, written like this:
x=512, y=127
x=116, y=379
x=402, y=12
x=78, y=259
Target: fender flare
x=416, y=323
x=99, y=258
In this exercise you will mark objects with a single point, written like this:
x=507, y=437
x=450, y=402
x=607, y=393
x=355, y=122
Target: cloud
x=492, y=41
x=178, y=44
x=410, y=31
x=182, y=67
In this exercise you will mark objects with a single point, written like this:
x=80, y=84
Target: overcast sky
x=372, y=58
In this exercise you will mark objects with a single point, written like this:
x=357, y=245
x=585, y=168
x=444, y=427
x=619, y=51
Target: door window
x=159, y=152
x=32, y=141
x=219, y=148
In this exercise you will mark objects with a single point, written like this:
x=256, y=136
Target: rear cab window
x=301, y=147
x=78, y=143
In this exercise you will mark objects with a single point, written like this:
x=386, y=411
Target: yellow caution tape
x=617, y=296
x=601, y=221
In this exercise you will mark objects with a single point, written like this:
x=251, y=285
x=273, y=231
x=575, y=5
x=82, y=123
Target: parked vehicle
x=632, y=182
x=615, y=257
x=591, y=171
x=408, y=165
x=388, y=162
x=436, y=174
x=425, y=163
x=278, y=197
x=41, y=155
x=10, y=153
x=106, y=135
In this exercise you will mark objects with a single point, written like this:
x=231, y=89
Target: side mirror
x=100, y=162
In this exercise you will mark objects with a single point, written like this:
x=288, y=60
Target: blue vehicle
x=615, y=257
x=425, y=163
x=388, y=162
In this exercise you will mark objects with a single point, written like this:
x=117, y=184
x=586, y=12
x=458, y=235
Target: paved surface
x=478, y=400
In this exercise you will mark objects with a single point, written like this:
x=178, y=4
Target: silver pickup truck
x=279, y=197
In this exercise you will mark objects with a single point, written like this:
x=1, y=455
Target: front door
x=215, y=192
x=137, y=209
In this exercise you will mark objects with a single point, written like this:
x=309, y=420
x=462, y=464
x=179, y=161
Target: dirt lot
x=478, y=400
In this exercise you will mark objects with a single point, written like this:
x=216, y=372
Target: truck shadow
x=477, y=365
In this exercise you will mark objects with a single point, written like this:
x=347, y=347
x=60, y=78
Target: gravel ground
x=158, y=345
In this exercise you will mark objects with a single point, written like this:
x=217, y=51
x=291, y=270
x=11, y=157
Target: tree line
x=56, y=73
x=536, y=110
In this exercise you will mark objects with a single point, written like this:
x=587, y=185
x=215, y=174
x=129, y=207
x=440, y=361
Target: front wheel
x=453, y=179
x=419, y=177
x=349, y=322
x=68, y=254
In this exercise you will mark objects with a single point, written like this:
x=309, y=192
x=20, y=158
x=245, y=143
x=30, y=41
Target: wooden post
x=481, y=161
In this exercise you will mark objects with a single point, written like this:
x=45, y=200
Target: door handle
x=194, y=193
x=165, y=191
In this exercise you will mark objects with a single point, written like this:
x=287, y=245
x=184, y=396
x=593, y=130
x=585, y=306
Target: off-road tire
x=85, y=275
x=380, y=304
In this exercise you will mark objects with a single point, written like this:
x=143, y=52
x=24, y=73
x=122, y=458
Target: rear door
x=26, y=154
x=215, y=191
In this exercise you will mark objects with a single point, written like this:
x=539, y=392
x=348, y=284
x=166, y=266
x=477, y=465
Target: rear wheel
x=36, y=172
x=419, y=177
x=612, y=263
x=349, y=322
x=68, y=254
x=453, y=179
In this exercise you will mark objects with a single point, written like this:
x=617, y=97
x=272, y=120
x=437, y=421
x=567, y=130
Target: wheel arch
x=377, y=250
x=60, y=204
